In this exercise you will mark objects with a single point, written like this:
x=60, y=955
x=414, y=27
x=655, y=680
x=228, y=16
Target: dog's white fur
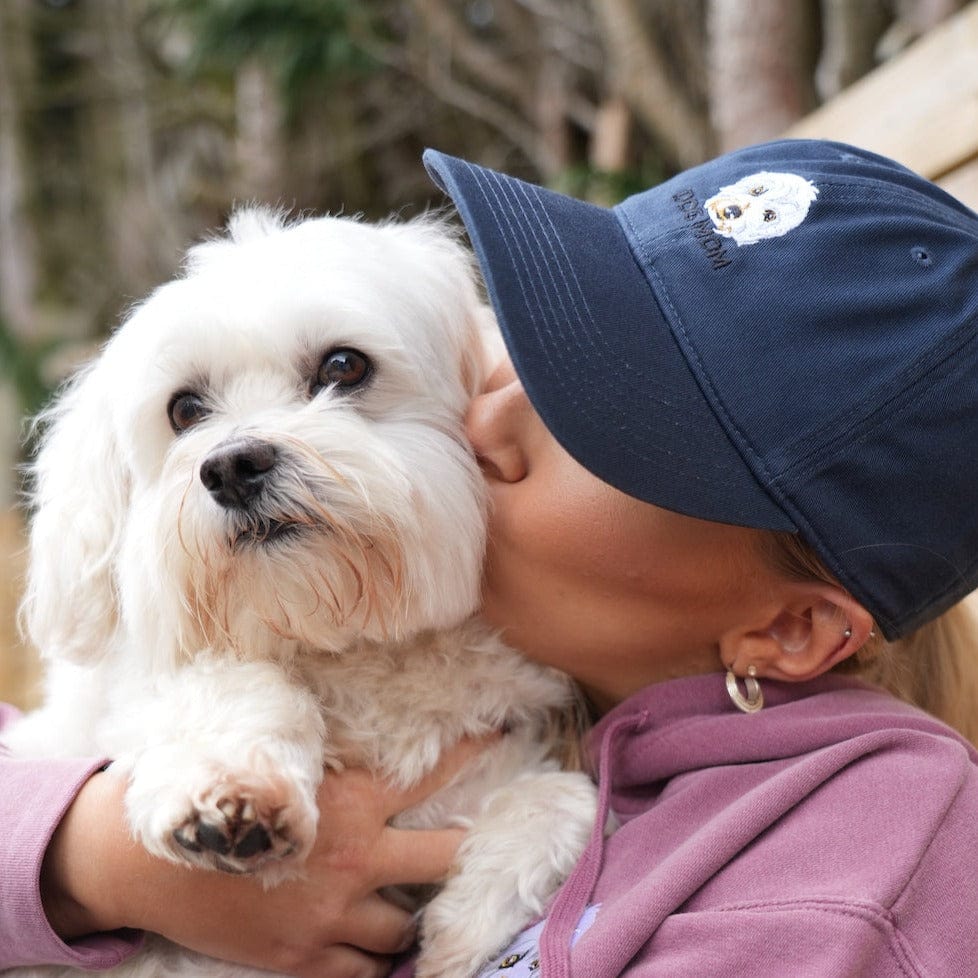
x=224, y=667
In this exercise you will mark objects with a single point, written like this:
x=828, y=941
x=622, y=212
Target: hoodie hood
x=694, y=783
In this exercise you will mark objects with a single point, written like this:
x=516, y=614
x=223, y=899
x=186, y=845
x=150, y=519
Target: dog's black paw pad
x=214, y=837
x=231, y=835
x=253, y=842
x=235, y=833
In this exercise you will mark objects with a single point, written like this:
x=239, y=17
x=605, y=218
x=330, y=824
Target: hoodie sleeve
x=34, y=794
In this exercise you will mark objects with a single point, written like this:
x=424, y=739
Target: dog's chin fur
x=225, y=655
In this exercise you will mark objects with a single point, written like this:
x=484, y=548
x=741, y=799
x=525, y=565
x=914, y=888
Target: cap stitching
x=525, y=259
x=593, y=336
x=864, y=435
x=867, y=421
x=518, y=260
x=700, y=373
x=590, y=338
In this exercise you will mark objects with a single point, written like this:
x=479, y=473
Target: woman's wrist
x=84, y=864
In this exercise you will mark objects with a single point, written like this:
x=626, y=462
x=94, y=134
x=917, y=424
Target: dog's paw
x=236, y=831
x=259, y=821
x=513, y=860
x=451, y=955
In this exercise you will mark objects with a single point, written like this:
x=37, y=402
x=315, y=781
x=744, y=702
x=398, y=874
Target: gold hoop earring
x=754, y=700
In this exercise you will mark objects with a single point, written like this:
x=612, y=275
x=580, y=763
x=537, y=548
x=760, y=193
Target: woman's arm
x=94, y=880
x=34, y=794
x=330, y=922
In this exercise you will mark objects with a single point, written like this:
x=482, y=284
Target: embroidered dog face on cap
x=763, y=205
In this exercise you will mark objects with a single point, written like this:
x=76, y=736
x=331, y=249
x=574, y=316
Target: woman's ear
x=813, y=628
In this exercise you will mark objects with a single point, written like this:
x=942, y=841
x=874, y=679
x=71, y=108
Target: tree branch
x=643, y=79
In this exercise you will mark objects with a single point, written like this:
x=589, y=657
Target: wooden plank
x=963, y=183
x=19, y=668
x=920, y=108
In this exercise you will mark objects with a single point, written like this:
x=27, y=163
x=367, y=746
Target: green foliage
x=22, y=362
x=302, y=42
x=608, y=188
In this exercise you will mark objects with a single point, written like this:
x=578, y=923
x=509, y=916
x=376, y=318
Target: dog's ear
x=481, y=344
x=79, y=494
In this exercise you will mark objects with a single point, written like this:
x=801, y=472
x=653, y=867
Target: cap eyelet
x=921, y=256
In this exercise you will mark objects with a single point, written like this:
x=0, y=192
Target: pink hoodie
x=835, y=833
x=33, y=797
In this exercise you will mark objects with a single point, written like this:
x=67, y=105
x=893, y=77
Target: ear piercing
x=754, y=699
x=848, y=633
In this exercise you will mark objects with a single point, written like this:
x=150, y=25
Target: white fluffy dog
x=257, y=543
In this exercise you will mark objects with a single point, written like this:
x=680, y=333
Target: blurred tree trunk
x=18, y=268
x=260, y=136
x=850, y=33
x=648, y=80
x=144, y=233
x=762, y=54
x=611, y=137
x=18, y=277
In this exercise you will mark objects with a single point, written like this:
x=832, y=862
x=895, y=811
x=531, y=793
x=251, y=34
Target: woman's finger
x=380, y=926
x=342, y=961
x=415, y=855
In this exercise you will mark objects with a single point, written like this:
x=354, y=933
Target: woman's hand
x=331, y=923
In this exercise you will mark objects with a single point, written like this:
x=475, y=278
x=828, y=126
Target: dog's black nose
x=235, y=471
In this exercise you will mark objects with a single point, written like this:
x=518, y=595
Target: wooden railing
x=19, y=672
x=920, y=108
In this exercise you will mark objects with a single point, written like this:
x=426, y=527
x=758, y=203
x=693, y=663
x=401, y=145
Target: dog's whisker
x=357, y=577
x=181, y=506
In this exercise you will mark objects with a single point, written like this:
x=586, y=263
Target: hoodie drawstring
x=571, y=901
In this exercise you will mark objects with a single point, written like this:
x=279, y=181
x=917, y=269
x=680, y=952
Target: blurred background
x=129, y=128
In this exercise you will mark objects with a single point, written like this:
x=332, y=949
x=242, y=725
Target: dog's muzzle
x=236, y=472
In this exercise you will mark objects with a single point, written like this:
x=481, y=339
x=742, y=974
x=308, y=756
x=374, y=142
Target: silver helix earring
x=754, y=699
x=847, y=633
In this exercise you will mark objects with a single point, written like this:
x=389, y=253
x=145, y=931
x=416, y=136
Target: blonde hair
x=935, y=667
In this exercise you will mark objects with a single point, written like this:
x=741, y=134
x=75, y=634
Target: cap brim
x=594, y=351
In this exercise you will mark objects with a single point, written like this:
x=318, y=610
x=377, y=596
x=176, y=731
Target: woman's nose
x=496, y=426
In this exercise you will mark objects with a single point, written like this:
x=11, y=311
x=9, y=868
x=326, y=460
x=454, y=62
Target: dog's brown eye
x=344, y=367
x=185, y=410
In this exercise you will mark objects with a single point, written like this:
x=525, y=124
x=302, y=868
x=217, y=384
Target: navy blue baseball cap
x=785, y=338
